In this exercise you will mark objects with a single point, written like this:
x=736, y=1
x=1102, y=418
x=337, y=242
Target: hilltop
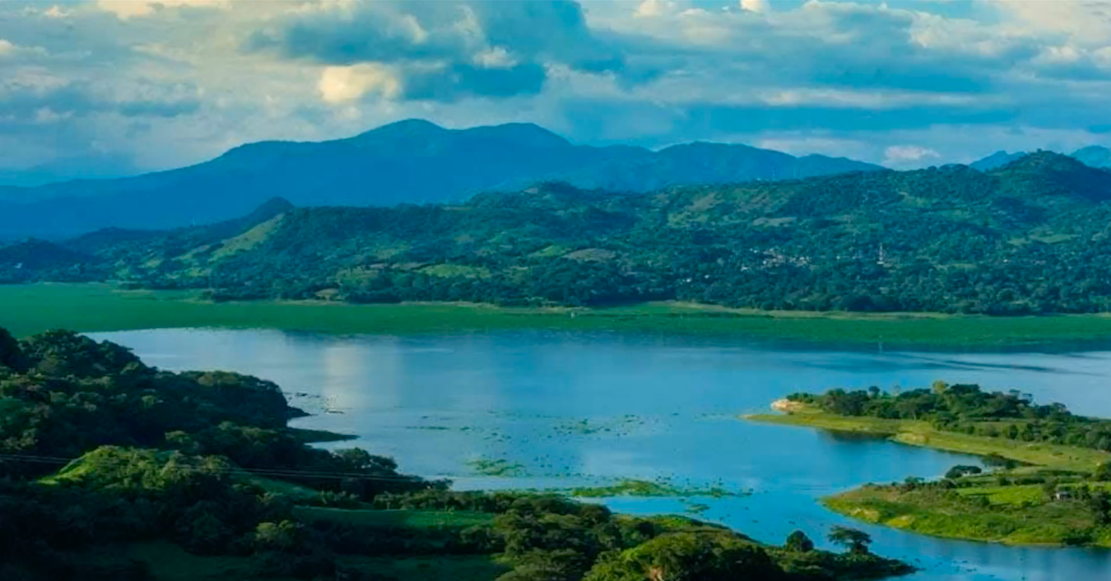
x=410, y=161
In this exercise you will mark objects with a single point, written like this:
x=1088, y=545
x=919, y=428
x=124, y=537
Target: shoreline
x=998, y=514
x=99, y=307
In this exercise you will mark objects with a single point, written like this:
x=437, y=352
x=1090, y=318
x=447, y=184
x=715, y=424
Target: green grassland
x=1002, y=519
x=28, y=309
x=923, y=434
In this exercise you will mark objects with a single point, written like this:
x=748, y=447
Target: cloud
x=898, y=156
x=755, y=5
x=55, y=12
x=342, y=84
x=444, y=50
x=170, y=82
x=125, y=9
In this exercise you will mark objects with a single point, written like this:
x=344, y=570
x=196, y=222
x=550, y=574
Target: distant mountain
x=996, y=160
x=86, y=167
x=1094, y=156
x=1030, y=237
x=406, y=162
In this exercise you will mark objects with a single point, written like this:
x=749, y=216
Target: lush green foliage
x=1024, y=239
x=969, y=410
x=1059, y=496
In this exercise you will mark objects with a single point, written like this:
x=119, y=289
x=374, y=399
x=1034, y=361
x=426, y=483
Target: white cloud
x=6, y=47
x=761, y=6
x=341, y=84
x=55, y=12
x=1084, y=21
x=125, y=9
x=654, y=8
x=495, y=58
x=898, y=156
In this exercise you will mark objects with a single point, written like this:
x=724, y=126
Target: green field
x=1009, y=521
x=29, y=309
x=922, y=434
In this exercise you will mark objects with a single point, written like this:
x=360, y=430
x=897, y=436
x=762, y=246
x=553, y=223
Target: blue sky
x=118, y=86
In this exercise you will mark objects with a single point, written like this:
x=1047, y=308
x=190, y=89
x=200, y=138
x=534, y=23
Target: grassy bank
x=968, y=515
x=100, y=307
x=998, y=507
x=913, y=433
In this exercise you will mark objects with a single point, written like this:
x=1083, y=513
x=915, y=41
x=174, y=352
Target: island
x=1046, y=477
x=114, y=470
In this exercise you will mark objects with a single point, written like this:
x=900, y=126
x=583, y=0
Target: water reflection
x=574, y=407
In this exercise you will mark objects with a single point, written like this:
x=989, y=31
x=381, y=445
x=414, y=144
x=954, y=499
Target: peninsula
x=1046, y=472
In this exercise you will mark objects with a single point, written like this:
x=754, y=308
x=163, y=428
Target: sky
x=108, y=87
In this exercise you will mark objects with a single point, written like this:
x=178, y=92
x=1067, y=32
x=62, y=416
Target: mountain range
x=406, y=162
x=1094, y=156
x=1029, y=237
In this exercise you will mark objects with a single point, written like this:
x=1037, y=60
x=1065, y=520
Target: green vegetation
x=29, y=309
x=113, y=470
x=1052, y=470
x=922, y=433
x=1025, y=239
x=644, y=488
x=498, y=467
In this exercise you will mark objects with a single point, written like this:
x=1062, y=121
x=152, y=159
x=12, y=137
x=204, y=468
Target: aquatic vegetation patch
x=497, y=467
x=657, y=488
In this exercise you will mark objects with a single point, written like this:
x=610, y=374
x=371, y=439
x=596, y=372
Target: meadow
x=29, y=309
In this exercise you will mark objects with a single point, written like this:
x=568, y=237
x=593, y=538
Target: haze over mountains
x=406, y=162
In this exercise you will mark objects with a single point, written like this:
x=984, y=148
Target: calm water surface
x=653, y=408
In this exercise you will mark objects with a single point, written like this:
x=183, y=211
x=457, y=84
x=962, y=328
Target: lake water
x=653, y=407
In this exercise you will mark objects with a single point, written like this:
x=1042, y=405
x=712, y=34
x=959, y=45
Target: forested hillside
x=1030, y=237
x=407, y=162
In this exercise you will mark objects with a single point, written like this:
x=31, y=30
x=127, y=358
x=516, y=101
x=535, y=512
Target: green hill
x=1030, y=237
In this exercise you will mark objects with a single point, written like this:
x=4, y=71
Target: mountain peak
x=405, y=127
x=1094, y=155
x=996, y=160
x=528, y=134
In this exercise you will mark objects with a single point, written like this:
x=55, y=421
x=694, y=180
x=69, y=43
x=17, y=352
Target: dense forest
x=1027, y=238
x=104, y=459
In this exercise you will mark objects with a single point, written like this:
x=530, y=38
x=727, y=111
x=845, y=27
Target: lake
x=566, y=409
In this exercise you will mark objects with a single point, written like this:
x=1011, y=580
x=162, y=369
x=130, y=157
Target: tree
x=856, y=541
x=961, y=470
x=11, y=356
x=939, y=387
x=1100, y=504
x=1103, y=472
x=799, y=542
